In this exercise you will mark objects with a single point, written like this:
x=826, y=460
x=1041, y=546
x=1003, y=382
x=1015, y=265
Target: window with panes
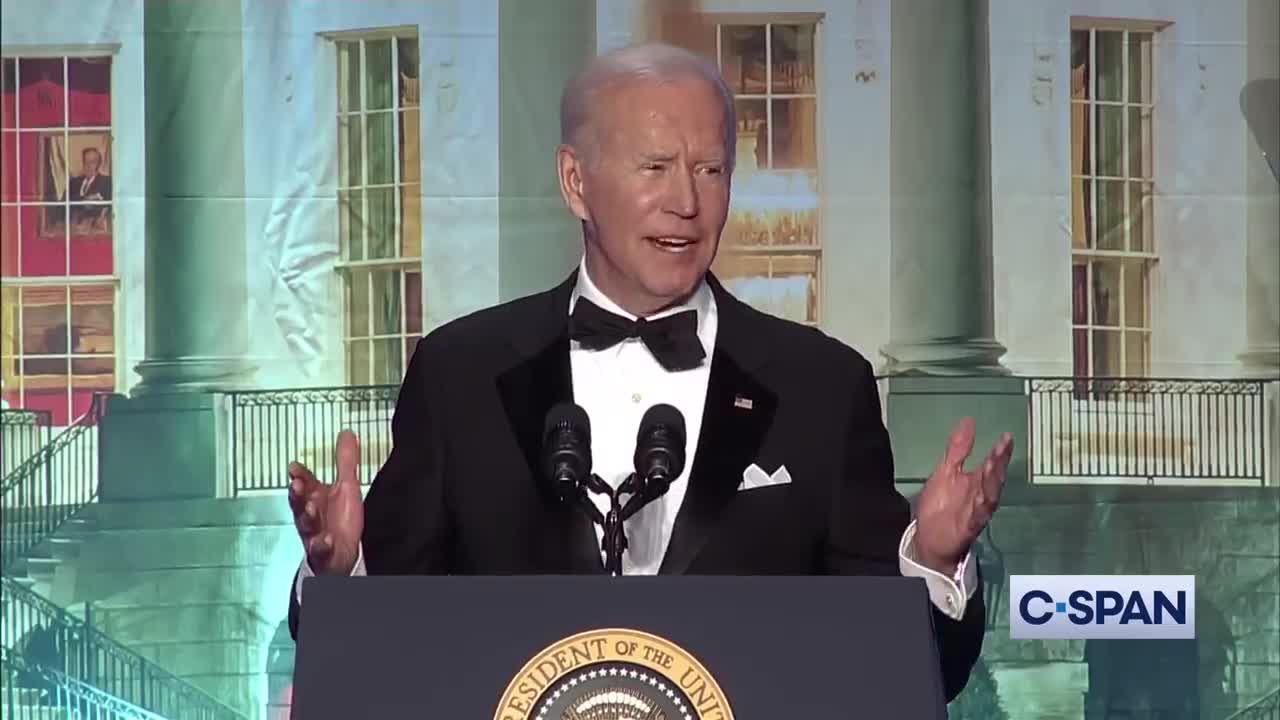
x=771, y=249
x=58, y=294
x=380, y=203
x=1113, y=234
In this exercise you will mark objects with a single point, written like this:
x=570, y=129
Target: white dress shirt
x=615, y=386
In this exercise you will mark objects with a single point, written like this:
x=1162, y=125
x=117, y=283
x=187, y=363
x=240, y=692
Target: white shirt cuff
x=949, y=594
x=305, y=571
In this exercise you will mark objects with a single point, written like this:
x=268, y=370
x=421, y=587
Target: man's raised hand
x=956, y=504
x=329, y=518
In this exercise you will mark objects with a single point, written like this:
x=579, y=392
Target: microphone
x=566, y=449
x=659, y=457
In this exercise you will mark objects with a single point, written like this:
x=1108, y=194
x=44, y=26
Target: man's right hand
x=329, y=518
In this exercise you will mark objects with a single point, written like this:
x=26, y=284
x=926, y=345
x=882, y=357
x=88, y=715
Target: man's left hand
x=956, y=504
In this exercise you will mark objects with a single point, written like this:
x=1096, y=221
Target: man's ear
x=570, y=168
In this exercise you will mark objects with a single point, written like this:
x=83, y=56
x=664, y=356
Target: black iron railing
x=271, y=428
x=1149, y=431
x=50, y=486
x=1266, y=707
x=50, y=637
x=35, y=692
x=1126, y=430
x=22, y=434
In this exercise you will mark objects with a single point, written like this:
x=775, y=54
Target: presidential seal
x=613, y=674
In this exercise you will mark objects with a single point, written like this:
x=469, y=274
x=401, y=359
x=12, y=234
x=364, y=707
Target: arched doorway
x=1164, y=679
x=1142, y=680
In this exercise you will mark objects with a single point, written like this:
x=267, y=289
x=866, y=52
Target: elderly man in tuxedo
x=90, y=185
x=790, y=469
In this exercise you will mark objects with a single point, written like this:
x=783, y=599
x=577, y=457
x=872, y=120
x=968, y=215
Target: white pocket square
x=753, y=477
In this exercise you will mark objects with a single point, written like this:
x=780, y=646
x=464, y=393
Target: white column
x=540, y=45
x=1262, y=222
x=940, y=311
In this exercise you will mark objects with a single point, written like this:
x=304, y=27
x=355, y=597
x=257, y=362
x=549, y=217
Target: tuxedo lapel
x=529, y=390
x=738, y=412
x=540, y=379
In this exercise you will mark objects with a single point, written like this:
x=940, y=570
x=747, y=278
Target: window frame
x=399, y=263
x=728, y=249
x=12, y=366
x=1126, y=260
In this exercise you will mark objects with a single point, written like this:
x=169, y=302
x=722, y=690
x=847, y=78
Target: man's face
x=91, y=160
x=653, y=190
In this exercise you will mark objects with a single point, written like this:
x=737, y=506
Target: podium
x=599, y=647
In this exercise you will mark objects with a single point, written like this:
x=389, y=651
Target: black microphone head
x=566, y=448
x=659, y=457
x=567, y=415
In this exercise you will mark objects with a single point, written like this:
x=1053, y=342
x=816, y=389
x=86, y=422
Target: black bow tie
x=673, y=339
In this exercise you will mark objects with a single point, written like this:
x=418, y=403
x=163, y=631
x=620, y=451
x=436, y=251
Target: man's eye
x=652, y=166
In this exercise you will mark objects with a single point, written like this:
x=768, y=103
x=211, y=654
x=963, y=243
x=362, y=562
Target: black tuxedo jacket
x=460, y=492
x=101, y=186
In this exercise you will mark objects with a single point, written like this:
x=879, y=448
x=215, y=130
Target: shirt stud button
x=635, y=397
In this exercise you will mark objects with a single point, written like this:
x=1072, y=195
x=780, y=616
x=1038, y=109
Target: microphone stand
x=614, y=541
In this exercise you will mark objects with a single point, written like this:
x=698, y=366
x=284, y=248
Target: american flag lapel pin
x=742, y=402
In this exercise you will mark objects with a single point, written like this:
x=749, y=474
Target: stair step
x=20, y=532
x=154, y=548
x=228, y=512
x=34, y=711
x=83, y=520
x=27, y=705
x=42, y=568
x=20, y=546
x=205, y=657
x=263, y=583
x=64, y=548
x=237, y=691
x=35, y=515
x=26, y=695
x=69, y=525
x=132, y=624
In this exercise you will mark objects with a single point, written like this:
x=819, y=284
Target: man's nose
x=682, y=195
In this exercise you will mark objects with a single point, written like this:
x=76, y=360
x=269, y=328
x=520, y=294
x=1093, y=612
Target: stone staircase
x=196, y=586
x=22, y=701
x=38, y=568
x=72, y=664
x=1266, y=707
x=32, y=691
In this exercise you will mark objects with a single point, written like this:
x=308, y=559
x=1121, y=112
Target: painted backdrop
x=226, y=223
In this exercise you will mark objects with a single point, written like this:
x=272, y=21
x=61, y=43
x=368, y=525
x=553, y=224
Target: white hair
x=655, y=62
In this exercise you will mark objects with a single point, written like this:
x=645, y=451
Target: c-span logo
x=614, y=674
x=1105, y=607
